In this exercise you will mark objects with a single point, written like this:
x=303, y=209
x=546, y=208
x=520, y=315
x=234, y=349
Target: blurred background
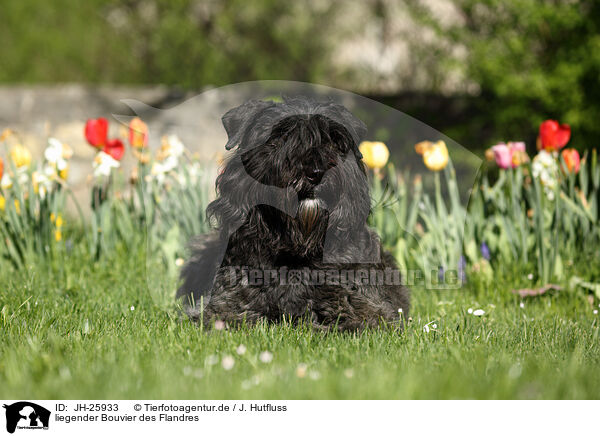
x=477, y=71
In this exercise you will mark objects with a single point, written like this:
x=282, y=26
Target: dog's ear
x=237, y=120
x=355, y=126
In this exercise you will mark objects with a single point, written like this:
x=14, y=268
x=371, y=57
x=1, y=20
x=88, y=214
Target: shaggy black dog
x=292, y=241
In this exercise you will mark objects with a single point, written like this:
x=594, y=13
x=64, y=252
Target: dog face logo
x=26, y=415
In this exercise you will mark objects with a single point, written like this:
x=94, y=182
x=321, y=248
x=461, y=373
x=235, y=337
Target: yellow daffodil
x=20, y=156
x=435, y=154
x=375, y=154
x=58, y=235
x=18, y=207
x=2, y=203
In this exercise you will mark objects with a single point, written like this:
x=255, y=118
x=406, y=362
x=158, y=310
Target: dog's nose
x=314, y=175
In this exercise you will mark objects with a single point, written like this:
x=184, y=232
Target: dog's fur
x=293, y=195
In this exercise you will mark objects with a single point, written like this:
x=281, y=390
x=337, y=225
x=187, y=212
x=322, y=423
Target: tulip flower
x=138, y=133
x=96, y=133
x=509, y=155
x=1, y=168
x=2, y=203
x=571, y=158
x=20, y=156
x=375, y=154
x=435, y=154
x=552, y=136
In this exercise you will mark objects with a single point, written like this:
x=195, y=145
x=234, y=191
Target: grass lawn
x=70, y=332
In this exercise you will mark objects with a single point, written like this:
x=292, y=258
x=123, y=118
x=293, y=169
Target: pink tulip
x=502, y=155
x=509, y=155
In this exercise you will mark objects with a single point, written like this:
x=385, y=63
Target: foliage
x=186, y=43
x=531, y=60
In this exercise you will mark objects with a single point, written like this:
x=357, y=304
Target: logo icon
x=26, y=415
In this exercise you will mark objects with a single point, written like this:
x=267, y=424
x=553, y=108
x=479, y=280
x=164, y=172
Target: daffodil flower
x=20, y=156
x=104, y=164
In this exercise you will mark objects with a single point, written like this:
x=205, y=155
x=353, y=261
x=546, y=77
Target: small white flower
x=103, y=164
x=400, y=310
x=470, y=311
x=227, y=362
x=266, y=356
x=219, y=325
x=241, y=349
x=515, y=370
x=434, y=326
x=301, y=370
x=314, y=375
x=426, y=328
x=132, y=308
x=595, y=311
x=530, y=276
x=212, y=360
x=179, y=261
x=479, y=312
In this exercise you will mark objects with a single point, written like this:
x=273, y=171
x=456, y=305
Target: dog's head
x=296, y=169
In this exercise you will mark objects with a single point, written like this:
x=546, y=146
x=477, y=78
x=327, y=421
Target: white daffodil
x=158, y=172
x=41, y=184
x=545, y=168
x=6, y=182
x=104, y=164
x=176, y=146
x=57, y=154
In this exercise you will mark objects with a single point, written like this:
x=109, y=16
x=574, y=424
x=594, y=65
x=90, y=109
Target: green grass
x=69, y=332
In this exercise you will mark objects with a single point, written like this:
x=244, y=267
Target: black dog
x=293, y=243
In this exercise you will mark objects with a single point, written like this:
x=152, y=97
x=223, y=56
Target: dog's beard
x=312, y=213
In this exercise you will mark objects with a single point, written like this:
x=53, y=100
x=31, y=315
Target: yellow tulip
x=375, y=154
x=21, y=156
x=59, y=222
x=435, y=154
x=58, y=235
x=2, y=203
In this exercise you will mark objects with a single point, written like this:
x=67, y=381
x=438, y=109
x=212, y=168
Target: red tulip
x=1, y=167
x=96, y=132
x=571, y=158
x=138, y=133
x=553, y=136
x=114, y=148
